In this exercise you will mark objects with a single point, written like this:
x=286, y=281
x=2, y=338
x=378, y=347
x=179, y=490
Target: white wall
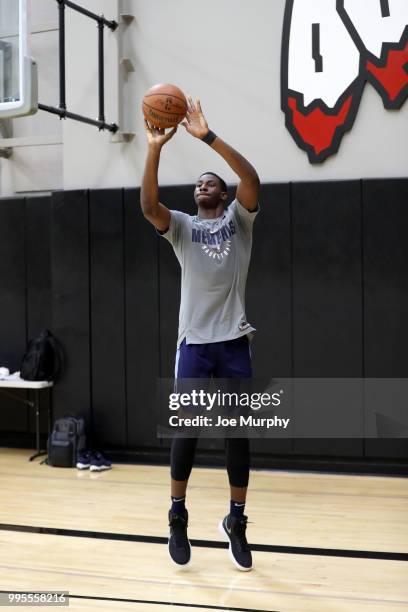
x=227, y=52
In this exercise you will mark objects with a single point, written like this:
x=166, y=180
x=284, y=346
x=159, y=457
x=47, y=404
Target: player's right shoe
x=233, y=529
x=179, y=545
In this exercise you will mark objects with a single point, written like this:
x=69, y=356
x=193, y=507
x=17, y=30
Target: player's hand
x=195, y=122
x=157, y=137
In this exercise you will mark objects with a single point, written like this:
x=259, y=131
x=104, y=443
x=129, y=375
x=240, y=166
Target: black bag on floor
x=66, y=441
x=43, y=359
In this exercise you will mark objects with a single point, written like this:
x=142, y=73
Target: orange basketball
x=164, y=106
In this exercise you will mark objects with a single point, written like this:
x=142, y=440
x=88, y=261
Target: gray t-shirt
x=214, y=257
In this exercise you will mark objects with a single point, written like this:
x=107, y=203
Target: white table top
x=19, y=383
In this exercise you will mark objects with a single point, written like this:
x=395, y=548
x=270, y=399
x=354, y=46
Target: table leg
x=37, y=426
x=50, y=407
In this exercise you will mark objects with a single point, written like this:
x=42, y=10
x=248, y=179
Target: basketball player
x=213, y=248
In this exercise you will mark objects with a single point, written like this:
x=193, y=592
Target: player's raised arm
x=152, y=209
x=248, y=187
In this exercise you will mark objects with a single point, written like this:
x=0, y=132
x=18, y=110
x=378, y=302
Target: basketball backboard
x=18, y=71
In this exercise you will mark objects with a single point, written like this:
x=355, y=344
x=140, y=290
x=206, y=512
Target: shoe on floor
x=233, y=529
x=179, y=546
x=83, y=460
x=99, y=463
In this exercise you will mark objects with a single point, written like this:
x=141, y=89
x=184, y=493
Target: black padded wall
x=268, y=296
x=326, y=290
x=385, y=206
x=12, y=282
x=268, y=293
x=38, y=258
x=327, y=294
x=38, y=283
x=385, y=215
x=327, y=301
x=25, y=303
x=13, y=332
x=142, y=323
x=70, y=301
x=107, y=317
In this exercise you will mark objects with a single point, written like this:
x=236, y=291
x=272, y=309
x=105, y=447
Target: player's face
x=208, y=192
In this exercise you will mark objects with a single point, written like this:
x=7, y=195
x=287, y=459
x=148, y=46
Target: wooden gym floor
x=321, y=542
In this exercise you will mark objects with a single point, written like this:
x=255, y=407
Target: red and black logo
x=330, y=49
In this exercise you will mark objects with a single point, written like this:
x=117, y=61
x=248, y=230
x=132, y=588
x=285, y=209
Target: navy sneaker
x=99, y=463
x=83, y=460
x=179, y=546
x=233, y=529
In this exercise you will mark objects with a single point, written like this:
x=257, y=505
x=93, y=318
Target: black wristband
x=209, y=137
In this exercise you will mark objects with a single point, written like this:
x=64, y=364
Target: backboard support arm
x=61, y=110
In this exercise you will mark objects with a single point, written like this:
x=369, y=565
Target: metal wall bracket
x=62, y=111
x=6, y=130
x=126, y=18
x=125, y=68
x=127, y=64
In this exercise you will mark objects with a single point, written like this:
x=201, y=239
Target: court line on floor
x=154, y=602
x=247, y=591
x=173, y=603
x=271, y=548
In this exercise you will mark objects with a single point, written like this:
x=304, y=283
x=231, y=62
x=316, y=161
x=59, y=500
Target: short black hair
x=222, y=182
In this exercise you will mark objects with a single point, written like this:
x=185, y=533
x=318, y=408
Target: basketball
x=164, y=106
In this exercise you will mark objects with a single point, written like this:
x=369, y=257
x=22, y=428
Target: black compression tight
x=236, y=455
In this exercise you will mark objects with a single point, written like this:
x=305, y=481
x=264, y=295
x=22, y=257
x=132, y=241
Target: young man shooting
x=214, y=249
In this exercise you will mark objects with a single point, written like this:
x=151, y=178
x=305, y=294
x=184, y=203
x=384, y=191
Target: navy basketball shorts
x=228, y=359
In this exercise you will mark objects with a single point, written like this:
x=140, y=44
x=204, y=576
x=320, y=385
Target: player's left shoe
x=233, y=529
